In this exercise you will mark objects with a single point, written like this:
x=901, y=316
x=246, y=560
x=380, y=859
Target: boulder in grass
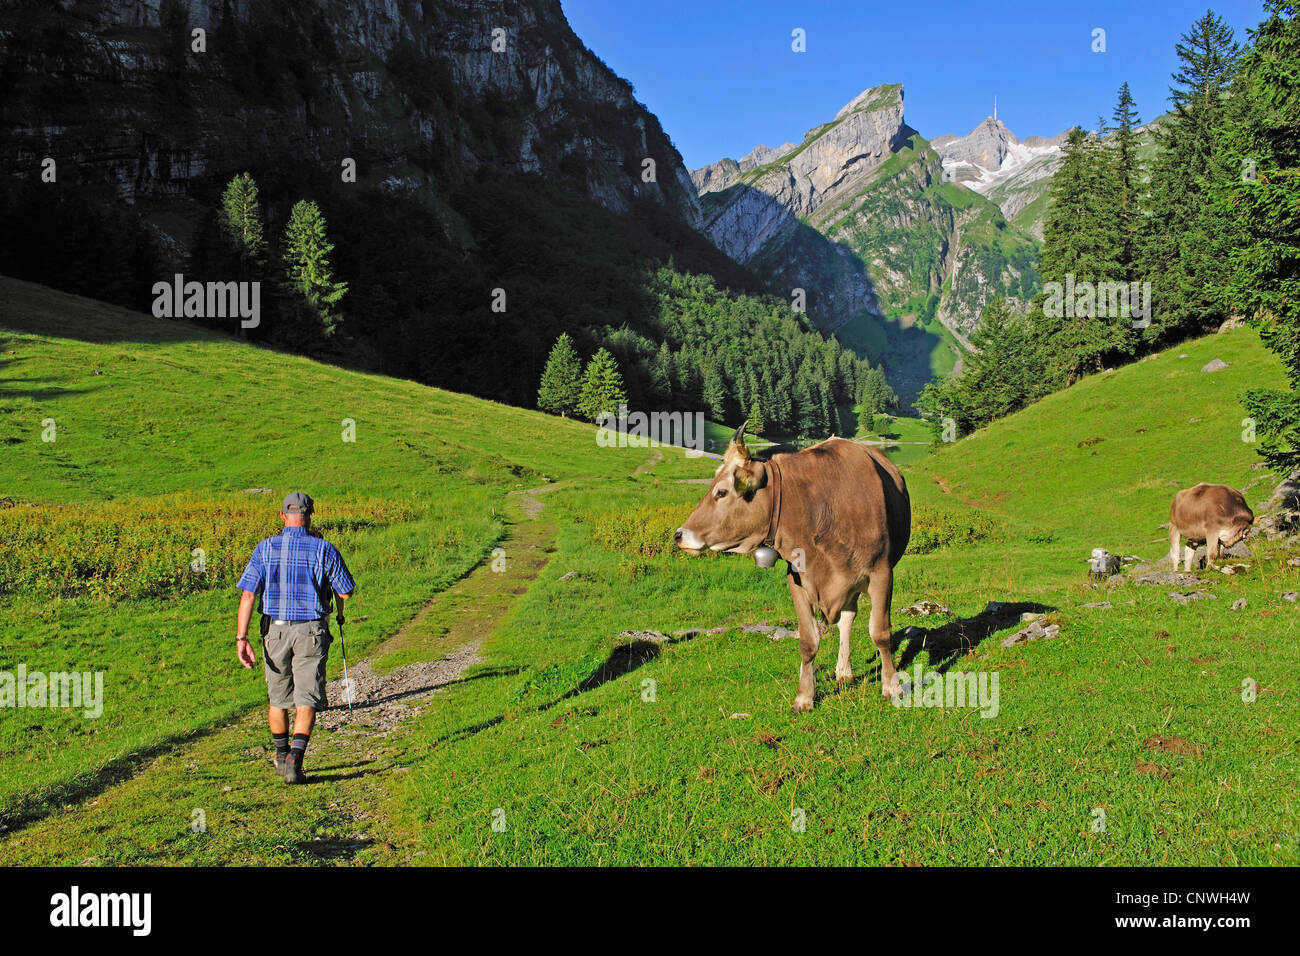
x=1214, y=365
x=925, y=608
x=1036, y=631
x=690, y=632
x=651, y=637
x=1180, y=598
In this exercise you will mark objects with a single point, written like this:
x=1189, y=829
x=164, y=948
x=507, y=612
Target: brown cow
x=838, y=513
x=1215, y=514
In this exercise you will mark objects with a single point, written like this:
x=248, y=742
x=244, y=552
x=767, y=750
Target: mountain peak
x=874, y=98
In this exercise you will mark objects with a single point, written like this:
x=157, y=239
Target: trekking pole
x=343, y=645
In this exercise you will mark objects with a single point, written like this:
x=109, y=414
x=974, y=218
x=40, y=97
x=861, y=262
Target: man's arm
x=243, y=648
x=336, y=570
x=250, y=582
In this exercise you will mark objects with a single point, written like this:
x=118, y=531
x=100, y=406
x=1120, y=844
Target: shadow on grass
x=622, y=660
x=427, y=689
x=333, y=849
x=33, y=807
x=947, y=642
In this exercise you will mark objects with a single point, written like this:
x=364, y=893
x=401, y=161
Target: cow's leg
x=1213, y=546
x=809, y=641
x=844, y=669
x=1175, y=542
x=881, y=591
x=1189, y=555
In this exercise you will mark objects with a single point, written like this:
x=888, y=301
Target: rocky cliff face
x=420, y=94
x=860, y=216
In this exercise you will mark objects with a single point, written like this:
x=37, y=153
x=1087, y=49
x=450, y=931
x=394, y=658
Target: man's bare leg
x=278, y=718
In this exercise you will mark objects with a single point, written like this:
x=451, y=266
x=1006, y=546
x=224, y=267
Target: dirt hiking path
x=248, y=815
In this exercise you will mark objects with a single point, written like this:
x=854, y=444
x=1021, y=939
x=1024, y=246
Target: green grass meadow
x=1126, y=740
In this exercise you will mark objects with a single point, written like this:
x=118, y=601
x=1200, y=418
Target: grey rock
x=1099, y=605
x=1180, y=598
x=1215, y=365
x=1102, y=562
x=1290, y=596
x=653, y=637
x=922, y=608
x=1162, y=579
x=1034, y=632
x=1239, y=604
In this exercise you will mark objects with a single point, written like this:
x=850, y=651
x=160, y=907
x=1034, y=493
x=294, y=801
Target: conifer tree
x=1182, y=256
x=757, y=424
x=602, y=387
x=307, y=264
x=561, y=386
x=715, y=393
x=1257, y=190
x=1127, y=177
x=1081, y=244
x=241, y=219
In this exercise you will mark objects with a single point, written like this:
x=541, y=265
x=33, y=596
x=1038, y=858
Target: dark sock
x=299, y=745
x=281, y=742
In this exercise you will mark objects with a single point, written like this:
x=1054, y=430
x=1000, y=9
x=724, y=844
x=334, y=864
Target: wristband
x=238, y=639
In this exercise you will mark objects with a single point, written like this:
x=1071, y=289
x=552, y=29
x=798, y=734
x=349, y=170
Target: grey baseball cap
x=298, y=503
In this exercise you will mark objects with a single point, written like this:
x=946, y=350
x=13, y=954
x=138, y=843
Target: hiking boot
x=293, y=771
x=280, y=760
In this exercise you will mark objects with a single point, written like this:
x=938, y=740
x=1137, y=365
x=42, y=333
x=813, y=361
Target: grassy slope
x=557, y=729
x=601, y=775
x=145, y=407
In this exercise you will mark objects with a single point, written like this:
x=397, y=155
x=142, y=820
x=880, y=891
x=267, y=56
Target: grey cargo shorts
x=294, y=656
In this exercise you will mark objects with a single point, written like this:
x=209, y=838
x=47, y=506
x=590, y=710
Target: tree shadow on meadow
x=35, y=389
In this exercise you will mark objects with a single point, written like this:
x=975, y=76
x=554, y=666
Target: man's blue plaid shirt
x=294, y=573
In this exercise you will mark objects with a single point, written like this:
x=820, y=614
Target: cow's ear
x=747, y=479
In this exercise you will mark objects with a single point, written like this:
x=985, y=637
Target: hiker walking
x=296, y=574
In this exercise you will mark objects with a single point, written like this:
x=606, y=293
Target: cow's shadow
x=947, y=642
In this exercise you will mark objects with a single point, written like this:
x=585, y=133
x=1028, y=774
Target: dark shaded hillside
x=476, y=170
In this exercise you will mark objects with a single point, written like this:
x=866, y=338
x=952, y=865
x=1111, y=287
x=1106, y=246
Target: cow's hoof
x=801, y=706
x=891, y=691
x=844, y=676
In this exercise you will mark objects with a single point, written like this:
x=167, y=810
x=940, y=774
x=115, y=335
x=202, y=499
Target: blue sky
x=721, y=76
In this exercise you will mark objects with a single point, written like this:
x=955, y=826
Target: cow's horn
x=739, y=437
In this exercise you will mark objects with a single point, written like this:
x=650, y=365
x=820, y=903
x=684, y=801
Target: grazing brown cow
x=839, y=513
x=1215, y=514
